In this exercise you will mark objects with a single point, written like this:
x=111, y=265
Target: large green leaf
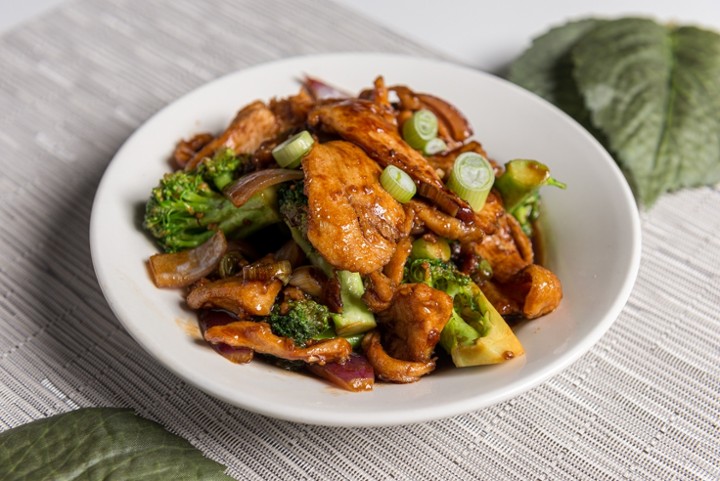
x=546, y=68
x=101, y=444
x=654, y=91
x=650, y=93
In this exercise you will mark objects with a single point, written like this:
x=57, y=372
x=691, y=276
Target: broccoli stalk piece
x=476, y=333
x=301, y=321
x=186, y=208
x=519, y=187
x=355, y=318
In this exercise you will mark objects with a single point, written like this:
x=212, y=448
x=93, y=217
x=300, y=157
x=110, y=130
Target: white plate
x=594, y=242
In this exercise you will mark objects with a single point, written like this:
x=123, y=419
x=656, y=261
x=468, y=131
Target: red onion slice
x=179, y=269
x=356, y=374
x=209, y=318
x=246, y=186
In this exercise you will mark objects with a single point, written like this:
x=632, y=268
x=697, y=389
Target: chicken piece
x=379, y=291
x=391, y=369
x=208, y=318
x=380, y=286
x=373, y=127
x=443, y=225
x=291, y=112
x=259, y=337
x=414, y=321
x=545, y=291
x=508, y=249
x=353, y=222
x=531, y=293
x=506, y=303
x=395, y=269
x=236, y=295
x=186, y=149
x=252, y=126
x=453, y=127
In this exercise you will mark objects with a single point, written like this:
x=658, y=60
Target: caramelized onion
x=307, y=279
x=291, y=252
x=440, y=198
x=178, y=269
x=457, y=124
x=267, y=269
x=321, y=90
x=246, y=186
x=356, y=374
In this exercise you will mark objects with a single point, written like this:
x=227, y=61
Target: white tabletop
x=480, y=34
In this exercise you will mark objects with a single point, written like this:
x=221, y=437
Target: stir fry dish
x=354, y=238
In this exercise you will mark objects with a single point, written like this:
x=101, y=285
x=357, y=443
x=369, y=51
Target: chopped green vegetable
x=355, y=317
x=184, y=211
x=221, y=169
x=476, y=333
x=434, y=146
x=471, y=178
x=519, y=187
x=522, y=179
x=289, y=154
x=398, y=184
x=435, y=248
x=419, y=129
x=303, y=320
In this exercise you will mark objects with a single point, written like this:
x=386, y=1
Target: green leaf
x=101, y=444
x=654, y=91
x=546, y=68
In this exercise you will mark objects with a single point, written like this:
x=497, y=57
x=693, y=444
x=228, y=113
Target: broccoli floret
x=476, y=333
x=355, y=317
x=222, y=168
x=301, y=321
x=293, y=205
x=185, y=209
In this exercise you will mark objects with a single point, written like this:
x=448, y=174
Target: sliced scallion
x=471, y=178
x=419, y=129
x=289, y=153
x=398, y=184
x=434, y=146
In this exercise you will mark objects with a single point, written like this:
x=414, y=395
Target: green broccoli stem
x=258, y=212
x=521, y=180
x=485, y=340
x=184, y=210
x=476, y=333
x=313, y=256
x=355, y=318
x=457, y=332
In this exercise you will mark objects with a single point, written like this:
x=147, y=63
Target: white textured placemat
x=644, y=403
